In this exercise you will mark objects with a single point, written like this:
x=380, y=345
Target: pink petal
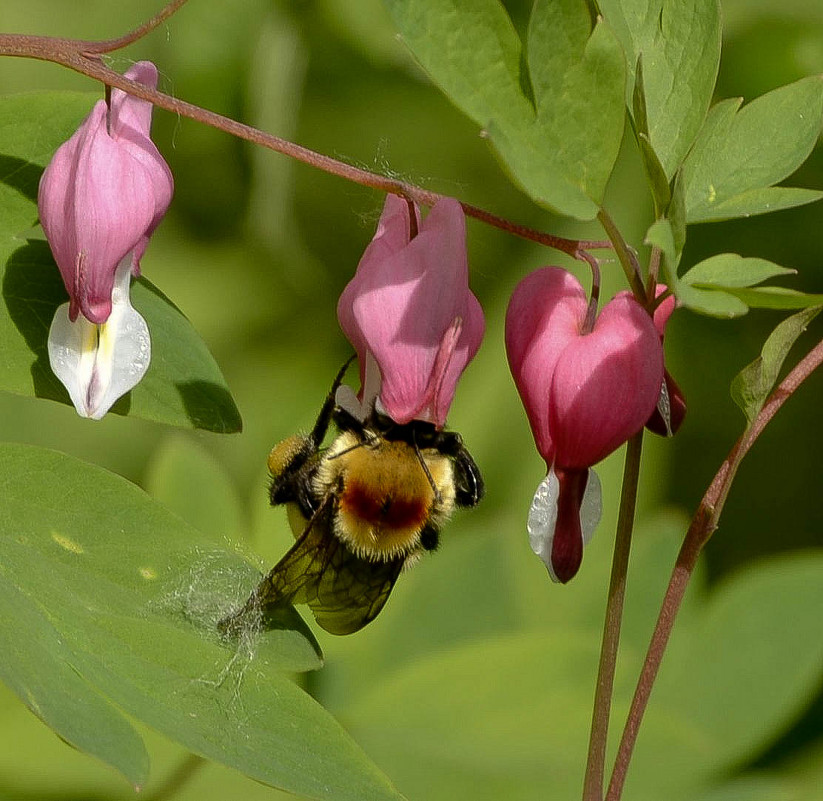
x=105, y=211
x=544, y=315
x=605, y=385
x=402, y=302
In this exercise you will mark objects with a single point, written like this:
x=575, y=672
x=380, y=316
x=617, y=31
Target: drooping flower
x=585, y=394
x=410, y=314
x=100, y=199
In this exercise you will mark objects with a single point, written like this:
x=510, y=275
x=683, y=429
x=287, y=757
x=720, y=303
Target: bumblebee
x=362, y=510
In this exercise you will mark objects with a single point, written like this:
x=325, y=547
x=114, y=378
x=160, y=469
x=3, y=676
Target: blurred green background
x=255, y=250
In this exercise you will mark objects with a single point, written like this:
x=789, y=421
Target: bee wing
x=350, y=592
x=343, y=591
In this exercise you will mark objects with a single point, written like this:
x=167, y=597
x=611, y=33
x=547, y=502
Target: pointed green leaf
x=558, y=127
x=680, y=44
x=711, y=302
x=754, y=202
x=732, y=270
x=774, y=297
x=752, y=385
x=129, y=597
x=742, y=151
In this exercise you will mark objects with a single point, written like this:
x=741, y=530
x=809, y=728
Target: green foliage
x=554, y=113
x=741, y=152
x=679, y=41
x=184, y=385
x=108, y=593
x=477, y=680
x=752, y=385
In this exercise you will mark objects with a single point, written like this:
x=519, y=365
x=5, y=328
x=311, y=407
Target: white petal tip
x=542, y=519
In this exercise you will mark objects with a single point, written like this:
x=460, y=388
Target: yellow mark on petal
x=147, y=573
x=64, y=542
x=712, y=193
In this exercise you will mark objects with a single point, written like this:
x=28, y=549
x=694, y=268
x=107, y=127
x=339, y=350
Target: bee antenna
x=437, y=496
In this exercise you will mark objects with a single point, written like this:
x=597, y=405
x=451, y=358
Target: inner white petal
x=543, y=518
x=591, y=507
x=99, y=363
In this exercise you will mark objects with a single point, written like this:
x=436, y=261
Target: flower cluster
x=588, y=383
x=100, y=199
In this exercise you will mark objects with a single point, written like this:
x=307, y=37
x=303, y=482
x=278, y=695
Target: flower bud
x=410, y=314
x=585, y=394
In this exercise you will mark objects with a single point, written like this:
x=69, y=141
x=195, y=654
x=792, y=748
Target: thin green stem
x=625, y=254
x=595, y=767
x=700, y=531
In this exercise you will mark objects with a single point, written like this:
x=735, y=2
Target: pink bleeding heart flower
x=100, y=199
x=670, y=411
x=410, y=314
x=585, y=394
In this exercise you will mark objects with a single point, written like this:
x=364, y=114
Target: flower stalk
x=702, y=527
x=84, y=57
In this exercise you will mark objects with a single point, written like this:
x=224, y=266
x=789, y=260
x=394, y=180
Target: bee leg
x=430, y=538
x=468, y=483
x=288, y=457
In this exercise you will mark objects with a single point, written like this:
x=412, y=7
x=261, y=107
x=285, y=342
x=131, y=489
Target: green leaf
x=661, y=235
x=558, y=127
x=755, y=201
x=503, y=717
x=680, y=44
x=712, y=302
x=752, y=385
x=740, y=152
x=774, y=297
x=745, y=671
x=184, y=385
x=129, y=596
x=732, y=270
x=32, y=126
x=472, y=52
x=185, y=477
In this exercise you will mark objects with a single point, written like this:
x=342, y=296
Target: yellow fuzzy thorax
x=385, y=498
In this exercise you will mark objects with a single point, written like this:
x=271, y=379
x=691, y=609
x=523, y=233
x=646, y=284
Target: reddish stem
x=701, y=529
x=84, y=57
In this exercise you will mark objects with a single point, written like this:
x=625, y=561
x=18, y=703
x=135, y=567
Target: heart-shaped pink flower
x=585, y=394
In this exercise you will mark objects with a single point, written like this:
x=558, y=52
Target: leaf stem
x=627, y=257
x=701, y=529
x=593, y=784
x=84, y=57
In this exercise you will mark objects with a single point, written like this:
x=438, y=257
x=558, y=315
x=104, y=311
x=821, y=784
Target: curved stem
x=701, y=529
x=593, y=784
x=109, y=45
x=84, y=57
